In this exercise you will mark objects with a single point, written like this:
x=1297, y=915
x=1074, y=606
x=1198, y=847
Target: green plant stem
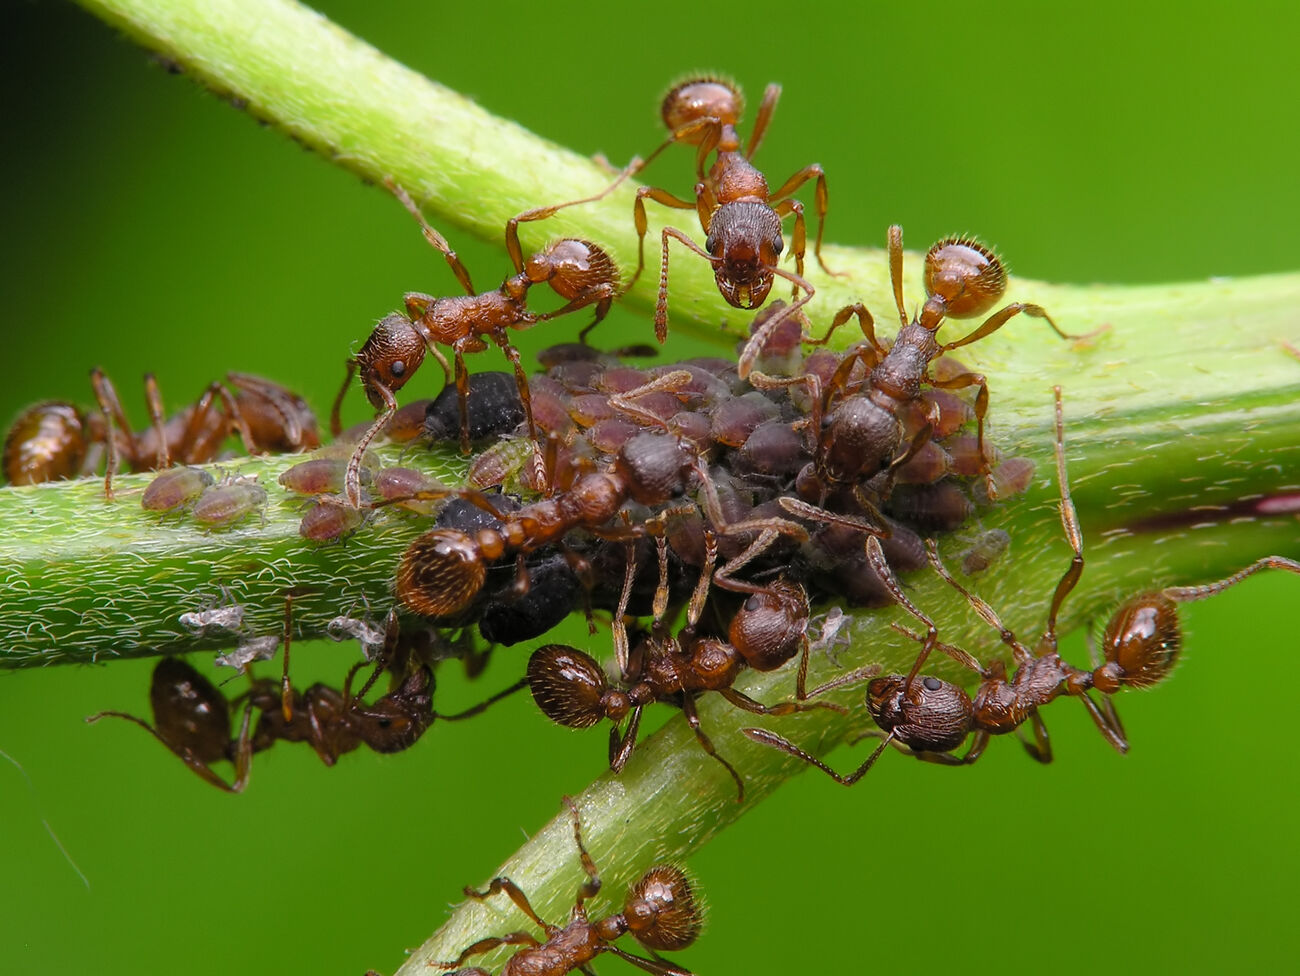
x=1189, y=402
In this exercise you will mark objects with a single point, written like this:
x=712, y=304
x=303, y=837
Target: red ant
x=571, y=689
x=577, y=270
x=740, y=217
x=660, y=911
x=863, y=435
x=54, y=440
x=192, y=717
x=930, y=718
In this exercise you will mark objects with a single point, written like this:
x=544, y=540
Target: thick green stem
x=1189, y=402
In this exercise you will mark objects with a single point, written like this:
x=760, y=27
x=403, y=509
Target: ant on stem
x=930, y=718
x=740, y=217
x=660, y=911
x=579, y=271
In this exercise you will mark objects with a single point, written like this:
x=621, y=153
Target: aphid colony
x=733, y=493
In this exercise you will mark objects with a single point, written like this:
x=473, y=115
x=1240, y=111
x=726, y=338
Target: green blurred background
x=149, y=226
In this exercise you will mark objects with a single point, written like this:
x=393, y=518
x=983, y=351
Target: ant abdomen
x=440, y=573
x=568, y=686
x=46, y=443
x=931, y=716
x=701, y=98
x=966, y=275
x=1141, y=643
x=573, y=267
x=661, y=910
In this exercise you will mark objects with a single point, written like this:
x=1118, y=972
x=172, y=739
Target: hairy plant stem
x=1188, y=404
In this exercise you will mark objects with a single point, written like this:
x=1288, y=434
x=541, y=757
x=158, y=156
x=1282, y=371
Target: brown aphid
x=318, y=476
x=660, y=911
x=739, y=215
x=174, y=488
x=930, y=718
x=402, y=487
x=578, y=271
x=329, y=518
x=987, y=549
x=221, y=506
x=864, y=434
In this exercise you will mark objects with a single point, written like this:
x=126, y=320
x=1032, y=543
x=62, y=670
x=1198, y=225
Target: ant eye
x=397, y=367
x=385, y=723
x=931, y=684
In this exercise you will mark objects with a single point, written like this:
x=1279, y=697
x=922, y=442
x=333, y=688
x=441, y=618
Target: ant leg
x=785, y=745
x=761, y=119
x=821, y=201
x=964, y=658
x=743, y=701
x=286, y=689
x=352, y=473
x=661, y=302
x=1041, y=747
x=1073, y=534
x=153, y=399
x=113, y=414
x=541, y=213
x=802, y=509
x=188, y=758
x=1001, y=317
x=513, y=892
x=485, y=704
x=865, y=322
x=896, y=270
x=983, y=610
x=243, y=757
x=658, y=967
x=876, y=560
x=961, y=381
x=639, y=218
x=1188, y=594
x=620, y=748
x=754, y=345
x=813, y=386
x=279, y=399
x=486, y=945
x=672, y=382
x=1108, y=708
x=336, y=421
x=1114, y=734
x=432, y=236
x=693, y=720
x=591, y=886
x=621, y=654
x=525, y=397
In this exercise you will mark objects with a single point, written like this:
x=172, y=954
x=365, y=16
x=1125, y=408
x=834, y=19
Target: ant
x=579, y=271
x=660, y=911
x=54, y=440
x=192, y=717
x=740, y=217
x=571, y=689
x=930, y=718
x=863, y=435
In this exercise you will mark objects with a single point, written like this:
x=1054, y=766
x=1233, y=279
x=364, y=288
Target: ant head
x=966, y=275
x=441, y=572
x=191, y=714
x=392, y=353
x=934, y=716
x=859, y=438
x=573, y=267
x=745, y=240
x=701, y=98
x=1141, y=643
x=662, y=911
x=768, y=629
x=569, y=687
x=397, y=720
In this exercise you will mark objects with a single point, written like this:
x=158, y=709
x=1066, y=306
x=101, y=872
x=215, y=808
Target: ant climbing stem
x=740, y=217
x=660, y=911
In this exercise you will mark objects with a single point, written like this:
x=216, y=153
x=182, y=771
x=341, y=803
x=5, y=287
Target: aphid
x=174, y=488
x=987, y=549
x=739, y=215
x=862, y=435
x=329, y=518
x=571, y=689
x=494, y=408
x=660, y=911
x=578, y=271
x=221, y=506
x=928, y=717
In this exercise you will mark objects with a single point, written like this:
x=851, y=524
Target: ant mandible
x=740, y=217
x=660, y=911
x=863, y=434
x=579, y=271
x=571, y=689
x=930, y=718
